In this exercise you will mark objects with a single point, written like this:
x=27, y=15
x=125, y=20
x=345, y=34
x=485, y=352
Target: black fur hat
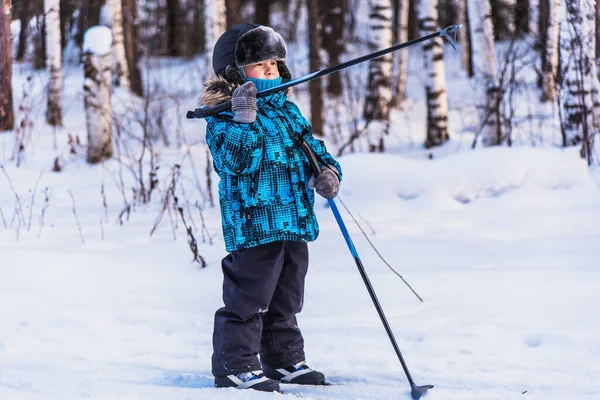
x=246, y=44
x=259, y=44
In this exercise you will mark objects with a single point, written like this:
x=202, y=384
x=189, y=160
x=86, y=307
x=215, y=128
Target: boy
x=266, y=201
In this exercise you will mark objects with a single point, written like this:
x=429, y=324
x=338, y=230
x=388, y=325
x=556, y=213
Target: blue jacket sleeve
x=317, y=145
x=236, y=148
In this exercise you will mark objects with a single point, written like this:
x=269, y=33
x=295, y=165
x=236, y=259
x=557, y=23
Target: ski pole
x=449, y=33
x=416, y=391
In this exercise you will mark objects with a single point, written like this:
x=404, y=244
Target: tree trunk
x=333, y=41
x=7, y=119
x=534, y=17
x=486, y=71
x=130, y=31
x=40, y=56
x=54, y=62
x=597, y=52
x=96, y=88
x=379, y=92
x=503, y=18
x=216, y=21
x=174, y=26
x=400, y=57
x=435, y=81
x=234, y=12
x=89, y=16
x=464, y=37
x=262, y=11
x=580, y=81
x=315, y=86
x=551, y=51
x=120, y=71
x=67, y=9
x=26, y=13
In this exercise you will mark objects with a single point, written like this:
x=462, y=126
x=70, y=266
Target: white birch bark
x=400, y=57
x=580, y=85
x=53, y=62
x=97, y=62
x=486, y=71
x=112, y=16
x=379, y=92
x=216, y=21
x=552, y=52
x=534, y=16
x=435, y=81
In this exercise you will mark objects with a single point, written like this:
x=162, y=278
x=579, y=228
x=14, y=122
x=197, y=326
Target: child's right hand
x=243, y=103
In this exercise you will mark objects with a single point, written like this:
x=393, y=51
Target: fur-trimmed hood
x=217, y=90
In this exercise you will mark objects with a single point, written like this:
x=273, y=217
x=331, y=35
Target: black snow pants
x=263, y=290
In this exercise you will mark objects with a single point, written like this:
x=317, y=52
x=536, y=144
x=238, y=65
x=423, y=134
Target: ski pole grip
x=312, y=157
x=203, y=112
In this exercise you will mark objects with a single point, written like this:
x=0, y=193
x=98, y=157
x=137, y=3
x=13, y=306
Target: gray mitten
x=326, y=184
x=243, y=103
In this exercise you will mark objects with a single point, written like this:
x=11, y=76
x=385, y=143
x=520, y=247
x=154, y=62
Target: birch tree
x=580, y=82
x=7, y=119
x=379, y=92
x=400, y=57
x=114, y=16
x=215, y=16
x=551, y=59
x=534, y=16
x=53, y=62
x=97, y=63
x=435, y=81
x=486, y=71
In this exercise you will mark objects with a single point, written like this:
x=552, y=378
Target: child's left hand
x=326, y=184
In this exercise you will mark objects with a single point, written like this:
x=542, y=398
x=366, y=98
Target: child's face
x=262, y=70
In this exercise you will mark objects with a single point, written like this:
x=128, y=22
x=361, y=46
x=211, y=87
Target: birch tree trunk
x=97, y=63
x=580, y=81
x=486, y=71
x=7, y=119
x=400, y=57
x=379, y=92
x=435, y=81
x=551, y=60
x=53, y=62
x=534, y=16
x=216, y=21
x=120, y=70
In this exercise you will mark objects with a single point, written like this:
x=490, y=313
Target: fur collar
x=217, y=90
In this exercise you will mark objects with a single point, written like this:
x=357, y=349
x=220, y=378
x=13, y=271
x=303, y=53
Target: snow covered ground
x=502, y=244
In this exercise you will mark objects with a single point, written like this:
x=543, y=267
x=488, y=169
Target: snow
x=501, y=243
x=97, y=40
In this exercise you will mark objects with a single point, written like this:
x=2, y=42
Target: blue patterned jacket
x=263, y=192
